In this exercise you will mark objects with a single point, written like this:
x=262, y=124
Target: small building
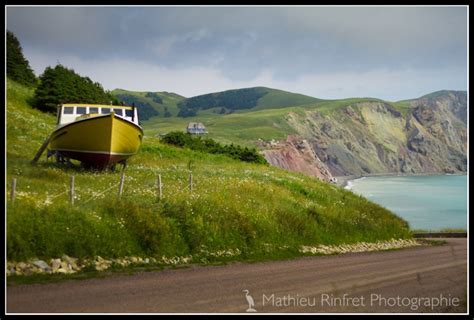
x=196, y=128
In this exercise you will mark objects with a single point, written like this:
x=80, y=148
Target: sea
x=429, y=202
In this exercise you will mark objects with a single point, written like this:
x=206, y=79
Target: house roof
x=196, y=125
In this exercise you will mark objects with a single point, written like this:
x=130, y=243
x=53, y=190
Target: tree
x=230, y=100
x=60, y=85
x=167, y=113
x=18, y=68
x=145, y=110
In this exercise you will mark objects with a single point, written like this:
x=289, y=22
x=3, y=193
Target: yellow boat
x=97, y=135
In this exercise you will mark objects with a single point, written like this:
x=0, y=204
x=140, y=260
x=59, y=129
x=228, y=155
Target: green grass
x=245, y=127
x=403, y=106
x=268, y=119
x=240, y=128
x=282, y=99
x=233, y=205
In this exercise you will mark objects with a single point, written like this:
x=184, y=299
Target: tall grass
x=233, y=204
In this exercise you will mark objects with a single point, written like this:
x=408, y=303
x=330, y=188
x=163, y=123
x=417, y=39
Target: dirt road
x=408, y=280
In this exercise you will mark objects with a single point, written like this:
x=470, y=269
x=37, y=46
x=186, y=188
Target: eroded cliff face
x=296, y=154
x=374, y=137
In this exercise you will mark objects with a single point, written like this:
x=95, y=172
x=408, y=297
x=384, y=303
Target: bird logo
x=249, y=301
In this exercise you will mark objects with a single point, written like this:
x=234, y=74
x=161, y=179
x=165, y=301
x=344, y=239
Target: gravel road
x=407, y=280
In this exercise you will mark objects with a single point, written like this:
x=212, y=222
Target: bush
x=208, y=145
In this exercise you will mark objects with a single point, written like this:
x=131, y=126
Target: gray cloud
x=241, y=43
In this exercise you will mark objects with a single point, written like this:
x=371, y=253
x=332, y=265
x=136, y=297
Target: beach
x=342, y=181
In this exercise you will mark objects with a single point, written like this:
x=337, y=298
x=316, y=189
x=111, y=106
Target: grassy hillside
x=266, y=120
x=234, y=205
x=242, y=100
x=169, y=100
x=280, y=99
x=240, y=128
x=246, y=126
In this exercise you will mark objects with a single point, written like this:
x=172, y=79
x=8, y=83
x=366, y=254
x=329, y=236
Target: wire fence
x=71, y=191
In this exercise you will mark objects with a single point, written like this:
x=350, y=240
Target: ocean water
x=426, y=202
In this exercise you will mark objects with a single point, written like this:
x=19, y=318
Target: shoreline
x=343, y=181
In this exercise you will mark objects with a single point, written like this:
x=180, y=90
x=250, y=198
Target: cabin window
x=93, y=110
x=129, y=113
x=105, y=110
x=81, y=110
x=118, y=111
x=68, y=110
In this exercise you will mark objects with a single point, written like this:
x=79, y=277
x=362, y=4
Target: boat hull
x=99, y=141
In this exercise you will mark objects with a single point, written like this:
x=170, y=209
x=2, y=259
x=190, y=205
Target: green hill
x=151, y=104
x=262, y=122
x=351, y=136
x=242, y=100
x=242, y=128
x=234, y=204
x=275, y=98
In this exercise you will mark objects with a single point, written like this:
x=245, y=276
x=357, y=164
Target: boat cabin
x=72, y=112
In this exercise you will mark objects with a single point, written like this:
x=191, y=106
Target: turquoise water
x=426, y=202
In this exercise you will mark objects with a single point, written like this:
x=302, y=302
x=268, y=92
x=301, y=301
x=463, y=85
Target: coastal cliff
x=424, y=135
x=296, y=154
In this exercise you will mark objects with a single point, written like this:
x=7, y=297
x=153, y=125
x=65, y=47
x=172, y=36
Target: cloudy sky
x=392, y=53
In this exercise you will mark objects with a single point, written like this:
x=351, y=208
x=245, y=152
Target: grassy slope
x=272, y=99
x=170, y=100
x=266, y=121
x=240, y=128
x=246, y=127
x=234, y=204
x=281, y=99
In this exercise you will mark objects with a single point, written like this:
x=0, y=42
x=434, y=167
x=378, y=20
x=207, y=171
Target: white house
x=196, y=128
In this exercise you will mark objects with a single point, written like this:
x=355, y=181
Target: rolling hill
x=242, y=100
x=150, y=104
x=349, y=136
x=166, y=104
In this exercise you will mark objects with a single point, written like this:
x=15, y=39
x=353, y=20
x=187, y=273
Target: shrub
x=208, y=145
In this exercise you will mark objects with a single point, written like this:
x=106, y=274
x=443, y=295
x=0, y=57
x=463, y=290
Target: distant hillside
x=441, y=93
x=280, y=99
x=424, y=135
x=242, y=99
x=151, y=104
x=350, y=136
